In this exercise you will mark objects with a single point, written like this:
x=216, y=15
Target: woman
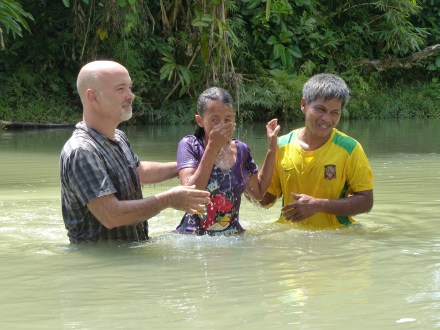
x=211, y=159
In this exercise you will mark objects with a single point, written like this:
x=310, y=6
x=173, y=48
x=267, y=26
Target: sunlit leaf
x=184, y=75
x=166, y=71
x=206, y=18
x=199, y=23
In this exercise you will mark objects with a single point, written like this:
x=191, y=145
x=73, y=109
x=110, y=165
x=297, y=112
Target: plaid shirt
x=92, y=166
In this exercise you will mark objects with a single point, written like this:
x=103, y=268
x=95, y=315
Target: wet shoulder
x=242, y=148
x=191, y=139
x=286, y=139
x=240, y=144
x=120, y=135
x=344, y=141
x=83, y=139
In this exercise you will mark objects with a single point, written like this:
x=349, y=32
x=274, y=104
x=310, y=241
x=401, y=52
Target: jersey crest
x=330, y=172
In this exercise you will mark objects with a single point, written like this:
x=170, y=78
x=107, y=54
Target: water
x=384, y=274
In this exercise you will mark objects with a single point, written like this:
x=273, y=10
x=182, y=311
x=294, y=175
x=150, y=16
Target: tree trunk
x=27, y=124
x=405, y=62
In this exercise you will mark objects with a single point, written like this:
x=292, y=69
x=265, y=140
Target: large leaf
x=184, y=75
x=272, y=40
x=295, y=51
x=13, y=17
x=278, y=51
x=166, y=71
x=285, y=37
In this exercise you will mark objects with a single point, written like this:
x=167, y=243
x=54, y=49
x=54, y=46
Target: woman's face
x=216, y=114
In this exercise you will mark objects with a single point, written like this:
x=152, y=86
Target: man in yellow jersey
x=323, y=175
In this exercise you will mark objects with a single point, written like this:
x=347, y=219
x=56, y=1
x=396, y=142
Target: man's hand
x=188, y=199
x=303, y=208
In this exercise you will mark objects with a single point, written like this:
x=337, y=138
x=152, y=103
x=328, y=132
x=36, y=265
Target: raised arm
x=257, y=185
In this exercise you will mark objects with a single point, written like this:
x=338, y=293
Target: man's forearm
x=112, y=212
x=352, y=205
x=155, y=172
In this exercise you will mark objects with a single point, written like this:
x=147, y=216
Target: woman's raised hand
x=272, y=130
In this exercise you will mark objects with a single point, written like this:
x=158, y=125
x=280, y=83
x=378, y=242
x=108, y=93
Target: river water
x=384, y=274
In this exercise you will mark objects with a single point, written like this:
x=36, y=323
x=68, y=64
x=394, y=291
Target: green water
x=384, y=275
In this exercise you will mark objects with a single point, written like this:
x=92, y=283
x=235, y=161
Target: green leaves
x=393, y=29
x=435, y=66
x=174, y=49
x=66, y=3
x=173, y=71
x=283, y=49
x=12, y=19
x=202, y=21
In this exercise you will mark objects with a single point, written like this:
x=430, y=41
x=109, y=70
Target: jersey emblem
x=330, y=172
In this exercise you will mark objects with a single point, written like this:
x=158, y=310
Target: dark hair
x=326, y=85
x=211, y=94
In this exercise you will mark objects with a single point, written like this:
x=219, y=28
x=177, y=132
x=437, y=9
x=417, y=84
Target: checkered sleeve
x=88, y=176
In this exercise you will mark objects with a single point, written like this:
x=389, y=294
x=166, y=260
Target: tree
x=12, y=20
x=262, y=51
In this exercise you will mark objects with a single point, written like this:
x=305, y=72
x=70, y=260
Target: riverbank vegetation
x=262, y=51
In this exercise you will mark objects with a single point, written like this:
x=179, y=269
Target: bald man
x=101, y=176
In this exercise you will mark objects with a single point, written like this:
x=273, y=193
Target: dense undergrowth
x=261, y=51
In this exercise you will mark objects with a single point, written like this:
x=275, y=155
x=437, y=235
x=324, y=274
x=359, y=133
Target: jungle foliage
x=262, y=51
x=12, y=20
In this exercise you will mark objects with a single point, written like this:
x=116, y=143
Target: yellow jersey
x=335, y=170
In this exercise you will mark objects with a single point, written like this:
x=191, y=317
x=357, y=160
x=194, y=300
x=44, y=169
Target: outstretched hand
x=272, y=130
x=188, y=199
x=301, y=209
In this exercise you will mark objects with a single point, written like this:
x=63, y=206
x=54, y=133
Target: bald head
x=105, y=91
x=92, y=74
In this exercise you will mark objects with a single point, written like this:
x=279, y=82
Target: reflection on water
x=382, y=274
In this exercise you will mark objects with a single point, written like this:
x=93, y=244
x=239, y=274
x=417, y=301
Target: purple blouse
x=225, y=186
